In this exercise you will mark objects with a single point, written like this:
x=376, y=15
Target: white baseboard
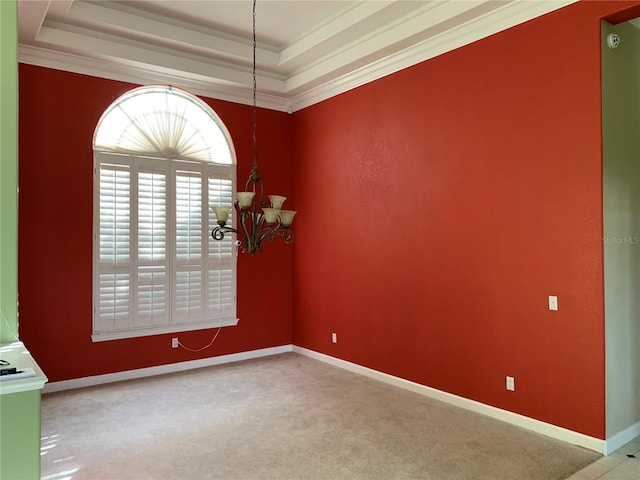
x=538, y=426
x=620, y=439
x=162, y=369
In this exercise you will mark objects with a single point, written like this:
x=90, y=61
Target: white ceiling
x=307, y=50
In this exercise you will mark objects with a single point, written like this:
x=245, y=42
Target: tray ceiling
x=307, y=51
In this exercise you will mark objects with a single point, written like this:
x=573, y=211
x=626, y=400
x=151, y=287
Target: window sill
x=145, y=332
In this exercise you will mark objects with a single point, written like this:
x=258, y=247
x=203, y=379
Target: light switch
x=553, y=302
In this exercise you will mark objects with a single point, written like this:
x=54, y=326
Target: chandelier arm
x=262, y=203
x=260, y=223
x=254, y=178
x=287, y=235
x=254, y=184
x=245, y=233
x=268, y=234
x=218, y=232
x=254, y=224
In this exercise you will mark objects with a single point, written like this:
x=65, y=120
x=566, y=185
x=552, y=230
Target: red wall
x=58, y=113
x=443, y=204
x=439, y=207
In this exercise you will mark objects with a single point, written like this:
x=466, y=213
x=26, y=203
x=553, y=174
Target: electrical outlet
x=334, y=337
x=553, y=302
x=174, y=342
x=511, y=383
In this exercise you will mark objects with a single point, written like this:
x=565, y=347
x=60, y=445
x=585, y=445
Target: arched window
x=161, y=157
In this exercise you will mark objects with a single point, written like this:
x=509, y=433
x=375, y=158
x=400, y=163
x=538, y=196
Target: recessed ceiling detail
x=307, y=51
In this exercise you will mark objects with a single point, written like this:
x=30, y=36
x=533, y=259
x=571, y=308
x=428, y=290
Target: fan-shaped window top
x=163, y=121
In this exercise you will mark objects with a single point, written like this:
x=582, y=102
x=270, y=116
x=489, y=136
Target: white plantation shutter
x=156, y=267
x=221, y=274
x=152, y=281
x=221, y=192
x=115, y=198
x=189, y=304
x=113, y=309
x=189, y=300
x=220, y=292
x=152, y=297
x=189, y=216
x=114, y=247
x=152, y=216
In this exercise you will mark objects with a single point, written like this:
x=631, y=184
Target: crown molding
x=291, y=94
x=490, y=24
x=148, y=75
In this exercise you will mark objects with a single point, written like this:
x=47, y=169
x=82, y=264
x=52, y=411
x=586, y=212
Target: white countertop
x=18, y=356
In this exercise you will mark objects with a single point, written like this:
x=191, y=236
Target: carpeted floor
x=284, y=417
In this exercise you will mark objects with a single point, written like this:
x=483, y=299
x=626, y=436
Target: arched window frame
x=161, y=157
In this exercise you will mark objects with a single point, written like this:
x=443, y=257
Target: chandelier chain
x=255, y=152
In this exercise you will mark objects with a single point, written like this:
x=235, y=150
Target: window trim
x=171, y=165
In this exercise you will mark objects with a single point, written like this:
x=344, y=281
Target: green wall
x=19, y=412
x=621, y=198
x=8, y=171
x=20, y=434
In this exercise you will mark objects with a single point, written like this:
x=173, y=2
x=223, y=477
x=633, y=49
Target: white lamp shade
x=286, y=217
x=222, y=213
x=277, y=200
x=245, y=199
x=270, y=215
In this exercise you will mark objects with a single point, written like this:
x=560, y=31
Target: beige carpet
x=283, y=417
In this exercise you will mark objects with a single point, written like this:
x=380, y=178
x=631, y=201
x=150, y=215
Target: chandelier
x=257, y=219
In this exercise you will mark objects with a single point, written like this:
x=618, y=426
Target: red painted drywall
x=58, y=112
x=440, y=206
x=443, y=204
